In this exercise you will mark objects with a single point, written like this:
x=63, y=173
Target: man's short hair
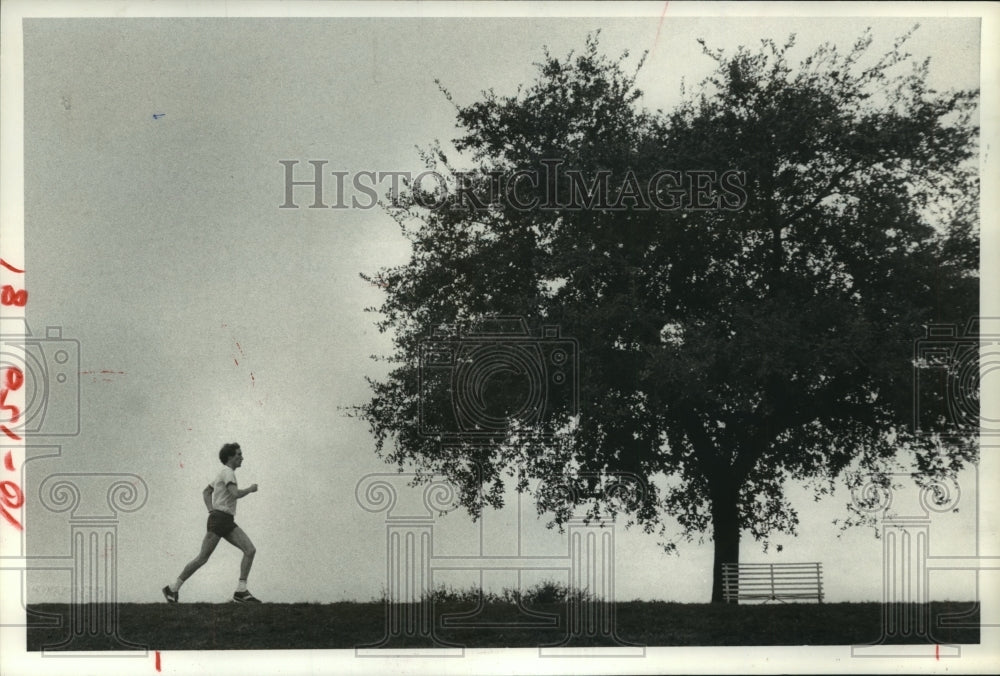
x=228, y=451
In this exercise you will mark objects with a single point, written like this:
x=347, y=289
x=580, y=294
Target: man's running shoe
x=245, y=597
x=171, y=596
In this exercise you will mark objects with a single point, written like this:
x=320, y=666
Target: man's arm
x=241, y=492
x=207, y=495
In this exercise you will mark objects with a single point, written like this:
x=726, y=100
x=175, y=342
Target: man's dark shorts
x=221, y=523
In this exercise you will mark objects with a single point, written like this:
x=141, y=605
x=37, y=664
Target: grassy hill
x=229, y=626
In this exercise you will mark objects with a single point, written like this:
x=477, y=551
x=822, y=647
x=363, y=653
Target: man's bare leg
x=207, y=547
x=240, y=539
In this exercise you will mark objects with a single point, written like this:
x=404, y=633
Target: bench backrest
x=772, y=581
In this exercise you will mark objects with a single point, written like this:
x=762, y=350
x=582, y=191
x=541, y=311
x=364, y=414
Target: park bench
x=772, y=581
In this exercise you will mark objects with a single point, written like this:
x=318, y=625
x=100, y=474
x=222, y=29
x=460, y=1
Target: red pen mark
x=241, y=360
x=15, y=412
x=13, y=380
x=11, y=495
x=11, y=296
x=659, y=26
x=157, y=660
x=937, y=652
x=10, y=267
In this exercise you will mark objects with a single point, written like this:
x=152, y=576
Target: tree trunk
x=726, y=536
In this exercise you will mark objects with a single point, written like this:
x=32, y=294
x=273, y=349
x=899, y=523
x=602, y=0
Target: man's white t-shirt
x=222, y=499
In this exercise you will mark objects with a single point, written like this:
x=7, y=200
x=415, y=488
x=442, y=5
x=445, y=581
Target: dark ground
x=230, y=626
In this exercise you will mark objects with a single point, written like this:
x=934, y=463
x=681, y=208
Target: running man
x=220, y=499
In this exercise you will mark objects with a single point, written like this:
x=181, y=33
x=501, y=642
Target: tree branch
x=823, y=194
x=705, y=452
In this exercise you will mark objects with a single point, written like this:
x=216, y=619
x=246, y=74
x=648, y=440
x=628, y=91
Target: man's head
x=231, y=455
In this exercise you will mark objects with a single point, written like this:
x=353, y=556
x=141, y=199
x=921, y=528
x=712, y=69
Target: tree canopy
x=745, y=301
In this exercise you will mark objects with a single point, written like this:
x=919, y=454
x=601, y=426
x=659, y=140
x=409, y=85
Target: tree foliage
x=723, y=351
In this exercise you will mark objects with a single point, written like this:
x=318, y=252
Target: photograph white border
x=825, y=659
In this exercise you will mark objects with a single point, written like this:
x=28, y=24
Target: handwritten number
x=11, y=495
x=14, y=378
x=11, y=296
x=13, y=381
x=15, y=412
x=13, y=498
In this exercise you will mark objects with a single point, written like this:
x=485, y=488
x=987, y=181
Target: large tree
x=734, y=333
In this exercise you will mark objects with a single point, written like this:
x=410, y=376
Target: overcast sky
x=206, y=314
